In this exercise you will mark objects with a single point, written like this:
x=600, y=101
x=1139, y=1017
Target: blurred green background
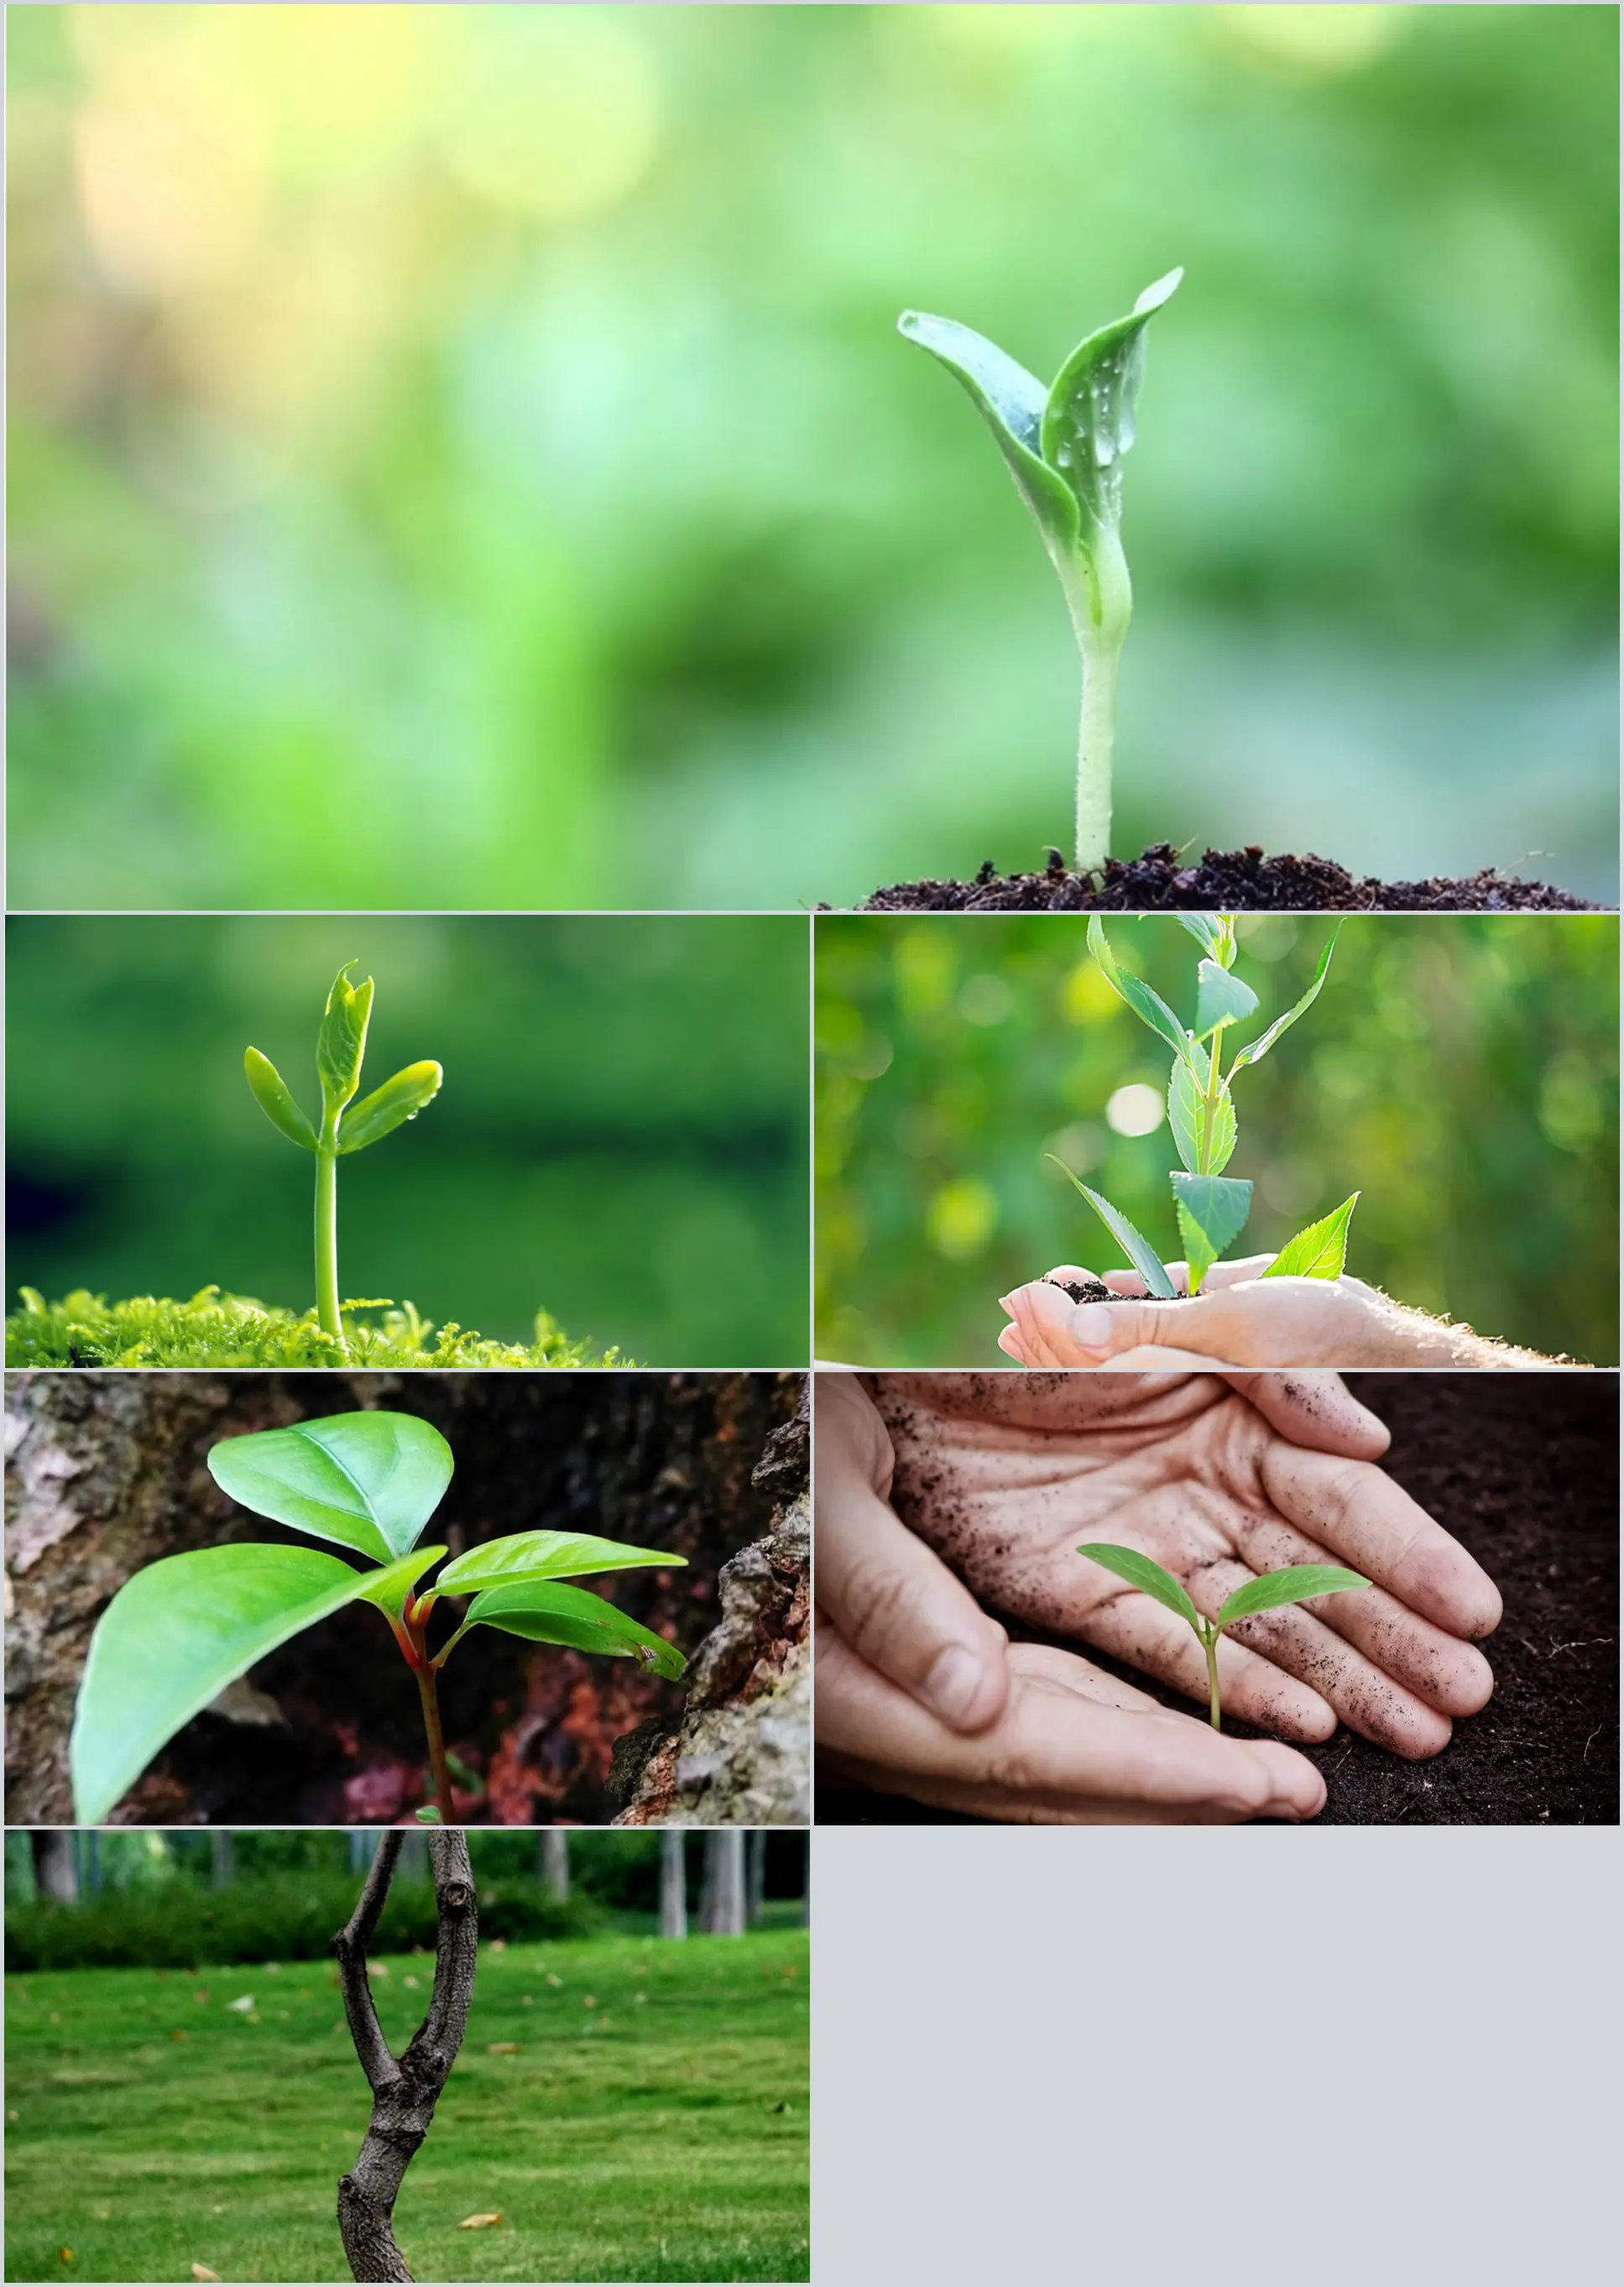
x=621, y=1139
x=463, y=456
x=1461, y=1072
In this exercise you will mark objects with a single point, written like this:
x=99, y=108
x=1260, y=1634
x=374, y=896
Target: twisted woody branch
x=405, y=2089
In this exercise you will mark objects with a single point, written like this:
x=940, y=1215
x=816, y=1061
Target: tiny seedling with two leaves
x=1212, y=1208
x=178, y=1632
x=1292, y=1584
x=346, y=1125
x=1063, y=447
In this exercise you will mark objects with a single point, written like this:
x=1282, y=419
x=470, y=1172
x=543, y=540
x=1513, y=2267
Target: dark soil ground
x=1523, y=1470
x=1227, y=881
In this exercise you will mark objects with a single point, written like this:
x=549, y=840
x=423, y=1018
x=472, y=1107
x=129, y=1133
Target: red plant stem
x=428, y=1693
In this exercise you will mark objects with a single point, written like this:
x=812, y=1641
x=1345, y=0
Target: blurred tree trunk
x=55, y=1873
x=806, y=1865
x=673, y=1883
x=554, y=1863
x=222, y=1863
x=722, y=1906
x=755, y=1874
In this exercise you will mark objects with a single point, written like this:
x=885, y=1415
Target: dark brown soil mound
x=1523, y=1469
x=1227, y=881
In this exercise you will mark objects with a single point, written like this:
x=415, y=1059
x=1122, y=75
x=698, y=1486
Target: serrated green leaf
x=1010, y=400
x=1089, y=418
x=1141, y=1572
x=543, y=1556
x=1289, y=1585
x=1260, y=1048
x=1137, y=1249
x=368, y=1481
x=400, y=1098
x=1318, y=1252
x=1189, y=1115
x=1221, y=998
x=340, y=1043
x=175, y=1636
x=1212, y=1210
x=1147, y=1005
x=552, y=1611
x=1206, y=930
x=275, y=1099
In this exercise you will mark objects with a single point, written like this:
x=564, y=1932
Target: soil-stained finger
x=1356, y=1511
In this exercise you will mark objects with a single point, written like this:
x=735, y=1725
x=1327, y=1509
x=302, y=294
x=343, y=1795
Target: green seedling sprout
x=1212, y=1208
x=180, y=1631
x=1294, y=1584
x=1063, y=447
x=345, y=1125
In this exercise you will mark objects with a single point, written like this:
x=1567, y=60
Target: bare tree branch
x=404, y=2092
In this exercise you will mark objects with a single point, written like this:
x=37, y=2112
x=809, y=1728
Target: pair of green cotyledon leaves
x=340, y=1046
x=176, y=1634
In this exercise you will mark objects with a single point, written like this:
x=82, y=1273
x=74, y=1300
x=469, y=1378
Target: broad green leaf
x=552, y=1611
x=1260, y=1048
x=368, y=1481
x=1010, y=400
x=1289, y=1585
x=1148, y=1006
x=543, y=1556
x=176, y=1634
x=1318, y=1252
x=1134, y=1245
x=1188, y=1114
x=1221, y=998
x=400, y=1098
x=390, y=1588
x=1212, y=1211
x=275, y=1099
x=342, y=1042
x=1088, y=419
x=1140, y=1572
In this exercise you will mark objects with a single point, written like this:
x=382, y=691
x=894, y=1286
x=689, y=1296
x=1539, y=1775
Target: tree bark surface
x=405, y=2089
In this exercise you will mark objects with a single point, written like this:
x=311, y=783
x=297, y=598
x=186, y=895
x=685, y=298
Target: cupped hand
x=1006, y=1477
x=1239, y=1318
x=1071, y=1746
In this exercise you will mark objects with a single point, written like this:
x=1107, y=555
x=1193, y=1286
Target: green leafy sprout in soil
x=1212, y=1208
x=1063, y=447
x=1292, y=1584
x=215, y=1329
x=180, y=1631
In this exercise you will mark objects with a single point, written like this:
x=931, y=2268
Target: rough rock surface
x=741, y=1754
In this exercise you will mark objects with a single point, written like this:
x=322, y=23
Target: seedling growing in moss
x=178, y=1632
x=1294, y=1584
x=1212, y=1208
x=345, y=1125
x=1063, y=447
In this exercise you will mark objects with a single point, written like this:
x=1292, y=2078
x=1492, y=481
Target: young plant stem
x=428, y=1691
x=1211, y=1643
x=1099, y=596
x=327, y=1234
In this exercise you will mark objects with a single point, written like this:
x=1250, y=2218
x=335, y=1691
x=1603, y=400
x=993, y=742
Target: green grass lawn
x=651, y=2123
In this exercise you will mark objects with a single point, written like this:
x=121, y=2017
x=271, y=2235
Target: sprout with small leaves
x=1063, y=447
x=1211, y=1207
x=1294, y=1584
x=345, y=1125
x=182, y=1629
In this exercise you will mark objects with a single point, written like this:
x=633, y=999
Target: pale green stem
x=1099, y=596
x=1211, y=1642
x=327, y=1235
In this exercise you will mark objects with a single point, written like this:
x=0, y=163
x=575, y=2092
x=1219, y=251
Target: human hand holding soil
x=1071, y=1746
x=1240, y=1318
x=1005, y=1478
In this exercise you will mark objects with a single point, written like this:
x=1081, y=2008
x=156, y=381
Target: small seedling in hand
x=345, y=1125
x=178, y=1632
x=1212, y=1208
x=1294, y=1584
x=1063, y=447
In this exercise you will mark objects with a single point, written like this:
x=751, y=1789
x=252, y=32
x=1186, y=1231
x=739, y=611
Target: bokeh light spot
x=1136, y=1110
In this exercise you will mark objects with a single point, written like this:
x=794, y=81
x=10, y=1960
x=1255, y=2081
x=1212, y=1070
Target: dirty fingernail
x=953, y=1683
